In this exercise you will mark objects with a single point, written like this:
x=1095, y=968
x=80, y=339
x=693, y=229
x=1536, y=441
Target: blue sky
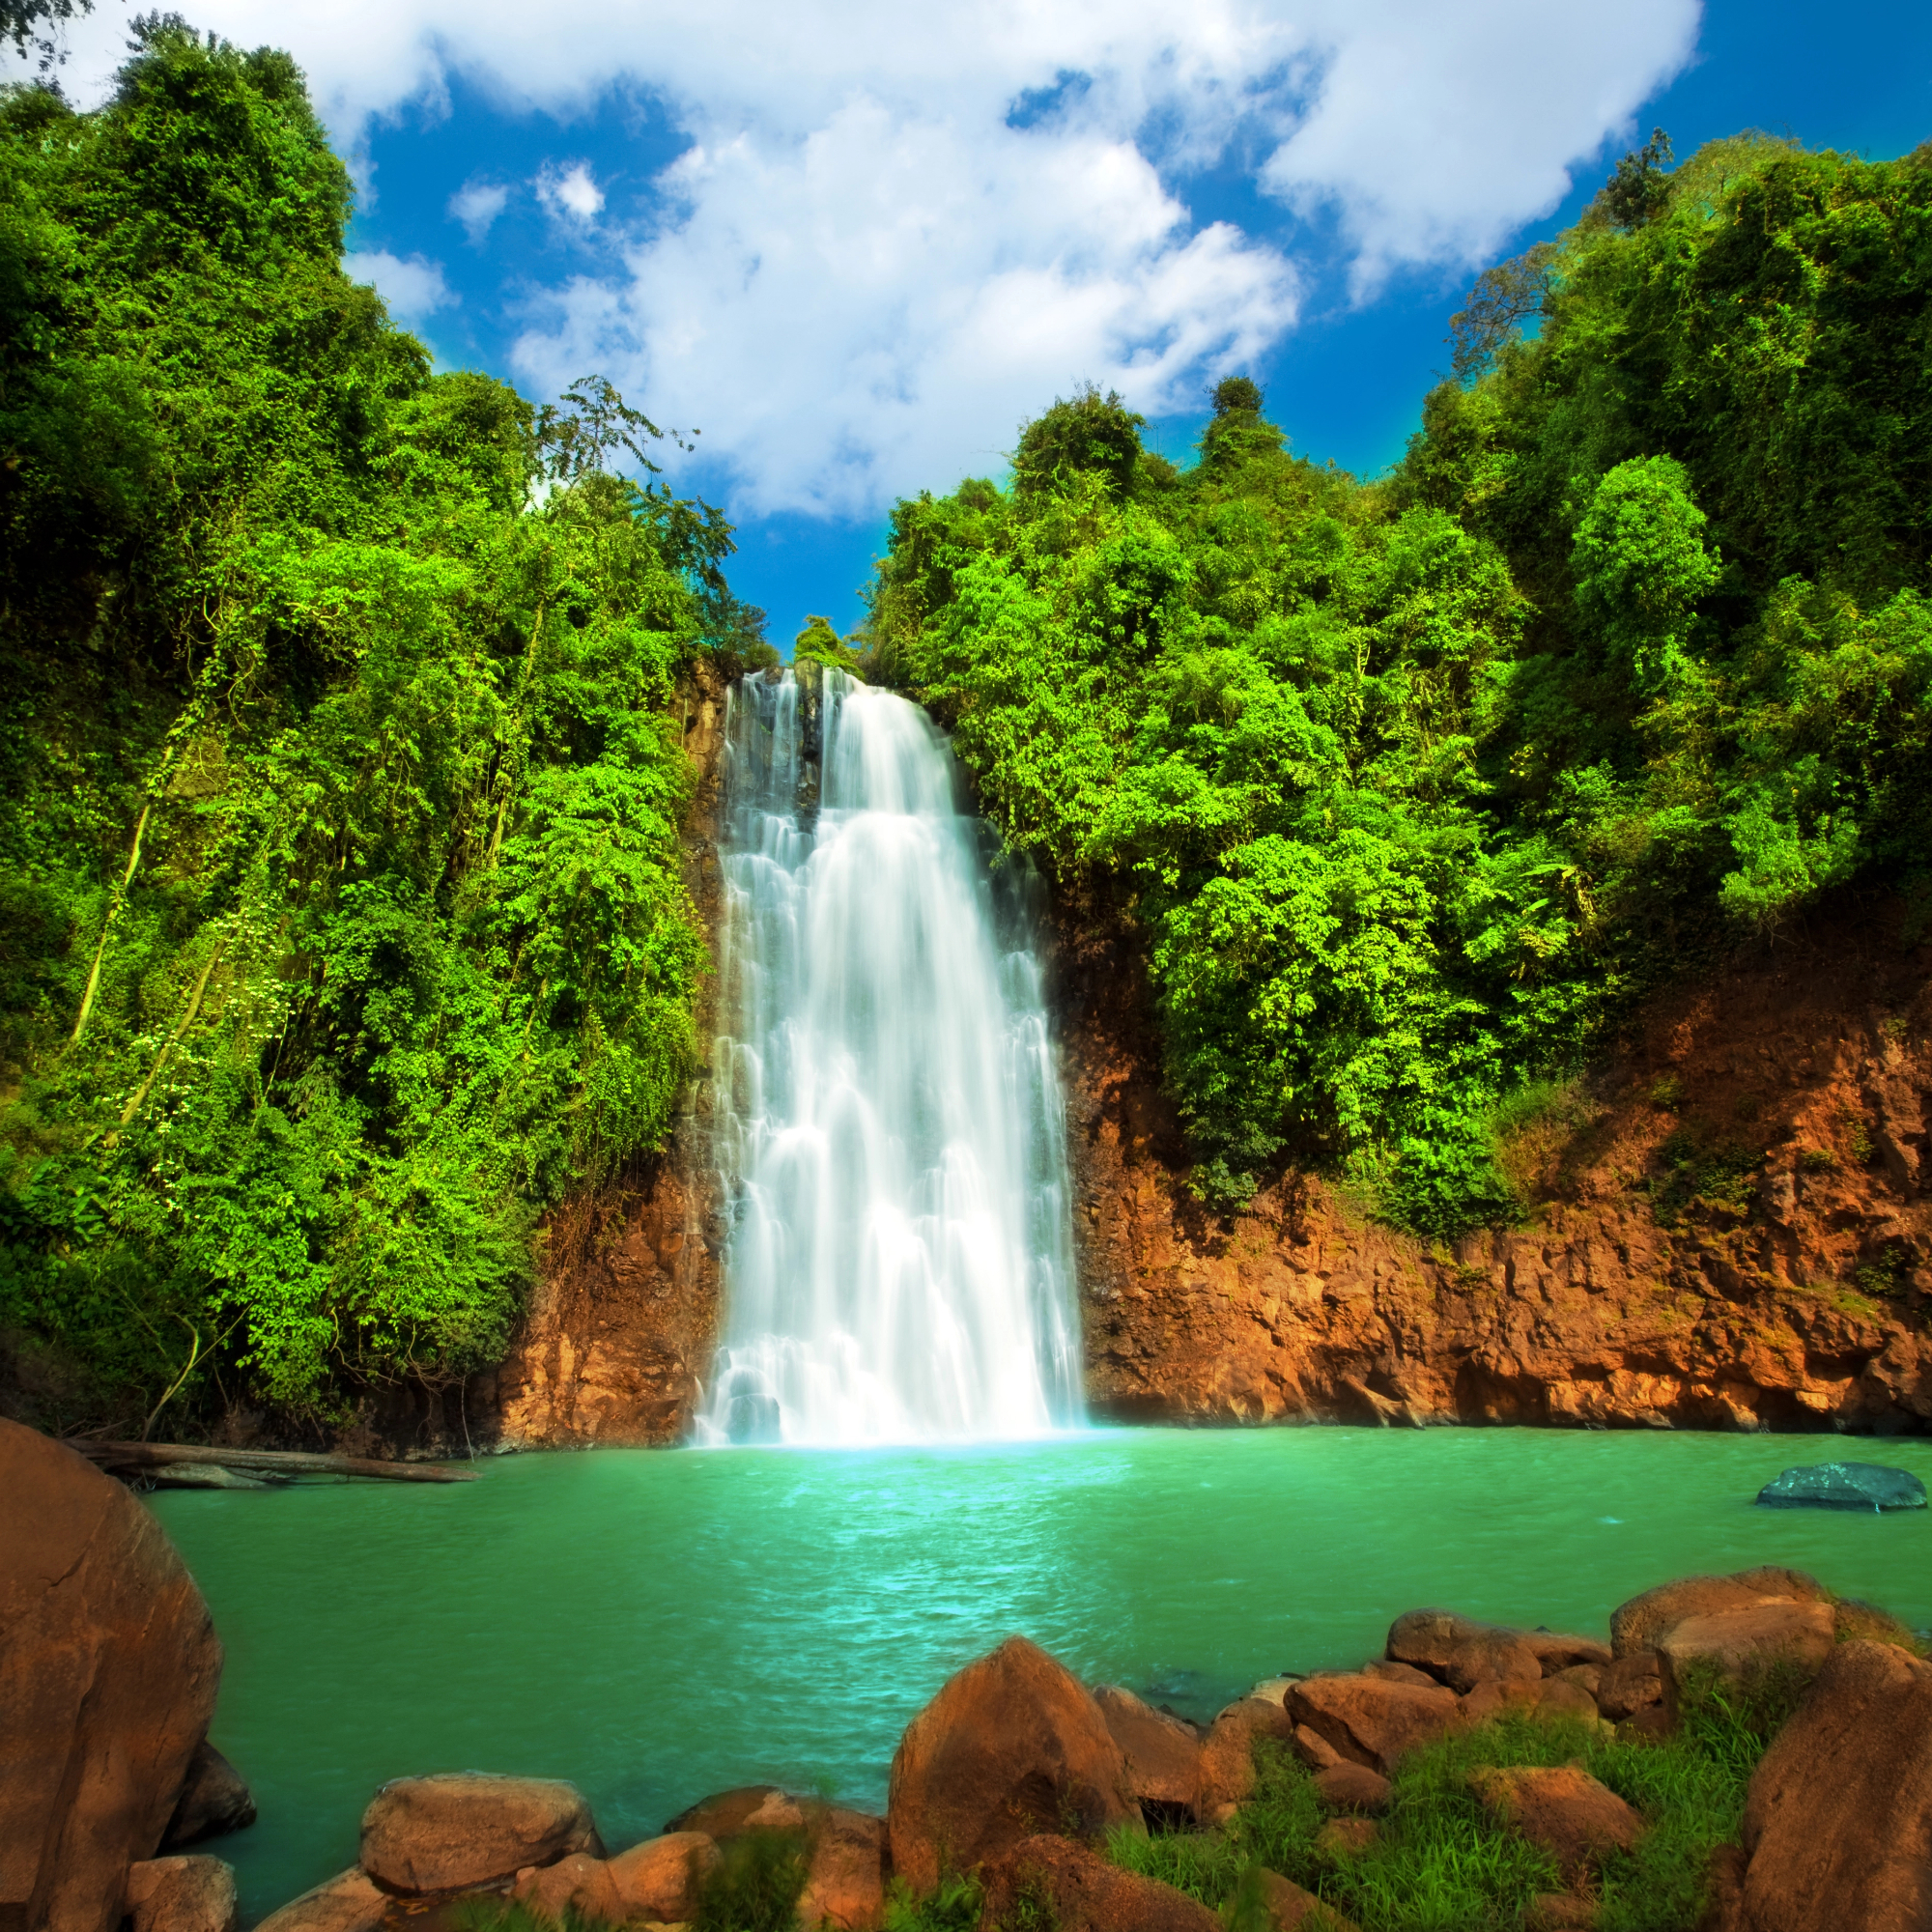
x=854, y=245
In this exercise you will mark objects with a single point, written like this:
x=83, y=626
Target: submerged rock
x=1845, y=1486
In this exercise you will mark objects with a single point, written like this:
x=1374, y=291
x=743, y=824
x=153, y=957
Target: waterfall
x=889, y=1119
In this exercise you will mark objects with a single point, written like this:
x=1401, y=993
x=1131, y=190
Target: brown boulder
x=1315, y=1751
x=747, y=1807
x=845, y=1886
x=1372, y=1721
x=213, y=1800
x=1741, y=1644
x=1489, y=1701
x=349, y=1902
x=1639, y=1623
x=1346, y=1838
x=578, y=1883
x=1391, y=1672
x=1562, y=1809
x=182, y=1894
x=1724, y=1891
x=1012, y=1746
x=467, y=1827
x=1162, y=1753
x=1630, y=1684
x=1460, y=1652
x=1227, y=1763
x=1558, y=1652
x=1838, y=1823
x=661, y=1878
x=1289, y=1909
x=1563, y=1698
x=1351, y=1787
x=1076, y=1890
x=108, y=1671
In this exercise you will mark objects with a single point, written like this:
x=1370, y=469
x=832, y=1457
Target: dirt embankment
x=1732, y=1228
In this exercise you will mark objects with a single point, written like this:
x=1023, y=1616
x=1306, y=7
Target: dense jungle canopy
x=1413, y=787
x=342, y=930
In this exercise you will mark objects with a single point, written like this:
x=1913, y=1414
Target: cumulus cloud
x=476, y=204
x=413, y=286
x=570, y=192
x=894, y=231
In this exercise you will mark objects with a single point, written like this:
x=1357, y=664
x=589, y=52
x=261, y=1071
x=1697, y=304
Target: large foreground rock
x=1370, y=1720
x=1162, y=1753
x=1083, y=1893
x=1011, y=1746
x=183, y=1893
x=469, y=1827
x=1743, y=1645
x=1561, y=1807
x=1839, y=1823
x=1639, y=1624
x=846, y=1881
x=108, y=1673
x=1845, y=1486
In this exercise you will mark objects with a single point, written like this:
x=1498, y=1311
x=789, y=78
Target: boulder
x=1557, y=1651
x=728, y=1814
x=1074, y=1889
x=1639, y=1623
x=1724, y=1891
x=1370, y=1720
x=1162, y=1753
x=350, y=1902
x=1845, y=1486
x=1460, y=1652
x=845, y=1885
x=213, y=1800
x=469, y=1827
x=1346, y=1838
x=182, y=1894
x=660, y=1880
x=1838, y=1821
x=1562, y=1809
x=1315, y=1751
x=1562, y=1698
x=1630, y=1684
x=1227, y=1763
x=1391, y=1672
x=1351, y=1787
x=1741, y=1644
x=1587, y=1677
x=1289, y=1909
x=578, y=1883
x=1013, y=1745
x=1489, y=1701
x=108, y=1675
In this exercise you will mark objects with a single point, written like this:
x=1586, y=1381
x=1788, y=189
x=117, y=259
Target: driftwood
x=270, y=1462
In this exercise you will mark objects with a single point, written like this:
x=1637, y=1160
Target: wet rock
x=1845, y=1486
x=466, y=1828
x=1740, y=1645
x=183, y=1893
x=1011, y=1746
x=1628, y=1685
x=662, y=1878
x=578, y=1883
x=1227, y=1764
x=350, y=1902
x=1351, y=1787
x=1838, y=1821
x=1162, y=1753
x=1289, y=1909
x=1370, y=1720
x=213, y=1800
x=845, y=1885
x=1639, y=1623
x=1343, y=1838
x=1082, y=1892
x=1562, y=1809
x=1460, y=1652
x=107, y=1681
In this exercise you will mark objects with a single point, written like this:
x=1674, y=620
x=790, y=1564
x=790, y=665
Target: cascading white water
x=889, y=1116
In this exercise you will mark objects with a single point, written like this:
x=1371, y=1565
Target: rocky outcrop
x=108, y=1673
x=1731, y=1230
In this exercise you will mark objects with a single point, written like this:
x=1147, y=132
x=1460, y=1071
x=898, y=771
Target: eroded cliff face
x=1732, y=1230
x=624, y=1318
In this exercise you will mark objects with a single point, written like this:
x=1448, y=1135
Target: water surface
x=657, y=1626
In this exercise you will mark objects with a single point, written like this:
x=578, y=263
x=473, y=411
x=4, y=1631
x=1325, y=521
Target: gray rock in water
x=1845, y=1486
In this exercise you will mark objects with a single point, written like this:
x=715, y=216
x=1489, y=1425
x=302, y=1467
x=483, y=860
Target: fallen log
x=273, y=1461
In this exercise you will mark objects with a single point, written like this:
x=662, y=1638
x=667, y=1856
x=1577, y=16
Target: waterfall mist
x=889, y=1121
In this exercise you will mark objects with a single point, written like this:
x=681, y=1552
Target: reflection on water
x=659, y=1626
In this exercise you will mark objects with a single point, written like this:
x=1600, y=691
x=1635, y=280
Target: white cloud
x=569, y=191
x=413, y=286
x=476, y=204
x=896, y=230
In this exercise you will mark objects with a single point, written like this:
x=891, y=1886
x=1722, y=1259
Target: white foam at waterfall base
x=889, y=1119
